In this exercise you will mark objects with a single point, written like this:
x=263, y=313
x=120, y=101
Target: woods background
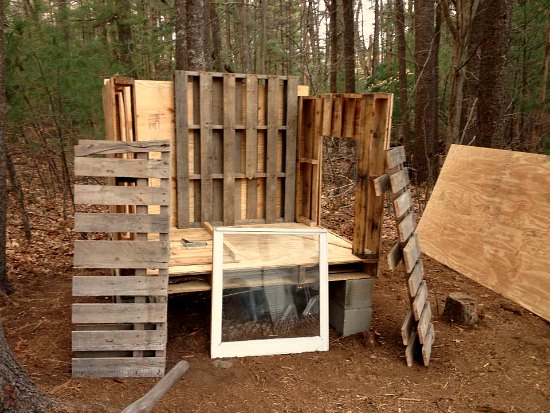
x=473, y=72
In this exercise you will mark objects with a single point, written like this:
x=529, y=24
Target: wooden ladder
x=126, y=335
x=417, y=328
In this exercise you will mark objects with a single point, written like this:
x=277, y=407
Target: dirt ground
x=501, y=365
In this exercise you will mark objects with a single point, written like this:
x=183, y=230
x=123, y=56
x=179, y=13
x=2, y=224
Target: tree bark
x=349, y=47
x=332, y=7
x=182, y=62
x=215, y=36
x=405, y=127
x=5, y=284
x=193, y=35
x=376, y=38
x=492, y=93
x=425, y=147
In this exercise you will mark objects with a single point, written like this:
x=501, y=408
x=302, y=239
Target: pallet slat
x=128, y=168
x=395, y=256
x=120, y=195
x=118, y=340
x=118, y=367
x=420, y=300
x=415, y=278
x=120, y=222
x=99, y=286
x=407, y=328
x=92, y=147
x=411, y=253
x=427, y=346
x=290, y=146
x=206, y=147
x=406, y=227
x=424, y=322
x=270, y=204
x=119, y=313
x=399, y=180
x=182, y=148
x=120, y=254
x=229, y=208
x=395, y=157
x=402, y=204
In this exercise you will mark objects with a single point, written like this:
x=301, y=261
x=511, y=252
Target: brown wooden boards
x=417, y=324
x=236, y=148
x=137, y=326
x=488, y=218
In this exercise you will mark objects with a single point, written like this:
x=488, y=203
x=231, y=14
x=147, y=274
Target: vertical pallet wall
x=235, y=144
x=126, y=336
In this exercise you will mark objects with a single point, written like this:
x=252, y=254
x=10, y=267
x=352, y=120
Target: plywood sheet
x=489, y=219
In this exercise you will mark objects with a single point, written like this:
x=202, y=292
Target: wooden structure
x=125, y=338
x=488, y=218
x=248, y=152
x=417, y=327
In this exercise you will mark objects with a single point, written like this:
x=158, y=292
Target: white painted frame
x=266, y=347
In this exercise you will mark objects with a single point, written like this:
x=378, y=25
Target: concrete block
x=352, y=294
x=352, y=321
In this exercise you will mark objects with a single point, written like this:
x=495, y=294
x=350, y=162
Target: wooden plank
x=395, y=157
x=424, y=322
x=327, y=116
x=407, y=328
x=409, y=351
x=427, y=347
x=119, y=313
x=97, y=286
x=182, y=148
x=420, y=300
x=399, y=180
x=316, y=169
x=206, y=145
x=411, y=253
x=415, y=278
x=402, y=204
x=109, y=109
x=406, y=227
x=381, y=184
x=487, y=218
x=270, y=205
x=251, y=146
x=120, y=195
x=395, y=256
x=129, y=168
x=290, y=148
x=121, y=222
x=118, y=367
x=87, y=147
x=337, y=107
x=229, y=143
x=120, y=254
x=118, y=340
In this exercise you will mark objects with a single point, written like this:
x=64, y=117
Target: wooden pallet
x=417, y=328
x=126, y=336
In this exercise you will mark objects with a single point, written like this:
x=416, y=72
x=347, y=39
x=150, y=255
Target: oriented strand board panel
x=489, y=219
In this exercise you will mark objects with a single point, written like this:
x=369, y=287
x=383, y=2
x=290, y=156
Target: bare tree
x=405, y=128
x=349, y=46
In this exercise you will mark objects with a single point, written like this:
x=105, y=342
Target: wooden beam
x=120, y=222
x=119, y=313
x=229, y=144
x=118, y=367
x=182, y=148
x=120, y=254
x=118, y=340
x=128, y=168
x=93, y=147
x=120, y=195
x=100, y=286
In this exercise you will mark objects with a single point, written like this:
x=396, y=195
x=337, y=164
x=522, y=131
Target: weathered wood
x=119, y=313
x=251, y=146
x=146, y=403
x=270, y=205
x=120, y=195
x=399, y=180
x=118, y=340
x=229, y=208
x=487, y=218
x=409, y=351
x=93, y=147
x=420, y=300
x=395, y=256
x=407, y=328
x=427, y=346
x=118, y=367
x=130, y=168
x=290, y=148
x=120, y=222
x=402, y=204
x=206, y=153
x=415, y=278
x=395, y=157
x=182, y=148
x=97, y=286
x=460, y=308
x=406, y=227
x=411, y=253
x=424, y=322
x=120, y=254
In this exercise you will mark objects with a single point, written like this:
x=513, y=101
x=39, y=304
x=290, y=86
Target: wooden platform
x=189, y=264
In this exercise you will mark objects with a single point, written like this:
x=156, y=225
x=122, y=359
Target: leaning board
x=489, y=219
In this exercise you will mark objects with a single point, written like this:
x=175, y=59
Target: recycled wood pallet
x=125, y=337
x=417, y=329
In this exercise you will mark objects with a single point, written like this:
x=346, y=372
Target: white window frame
x=219, y=349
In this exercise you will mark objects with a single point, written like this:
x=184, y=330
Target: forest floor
x=500, y=365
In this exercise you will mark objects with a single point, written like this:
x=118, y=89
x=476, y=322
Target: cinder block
x=351, y=294
x=352, y=321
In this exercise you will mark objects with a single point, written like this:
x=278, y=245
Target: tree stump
x=460, y=308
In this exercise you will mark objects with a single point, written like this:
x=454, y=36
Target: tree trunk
x=349, y=47
x=193, y=35
x=182, y=63
x=425, y=147
x=492, y=93
x=332, y=7
x=215, y=36
x=376, y=38
x=124, y=33
x=405, y=128
x=5, y=285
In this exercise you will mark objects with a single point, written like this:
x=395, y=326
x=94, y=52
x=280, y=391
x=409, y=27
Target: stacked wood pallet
x=125, y=336
x=417, y=328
